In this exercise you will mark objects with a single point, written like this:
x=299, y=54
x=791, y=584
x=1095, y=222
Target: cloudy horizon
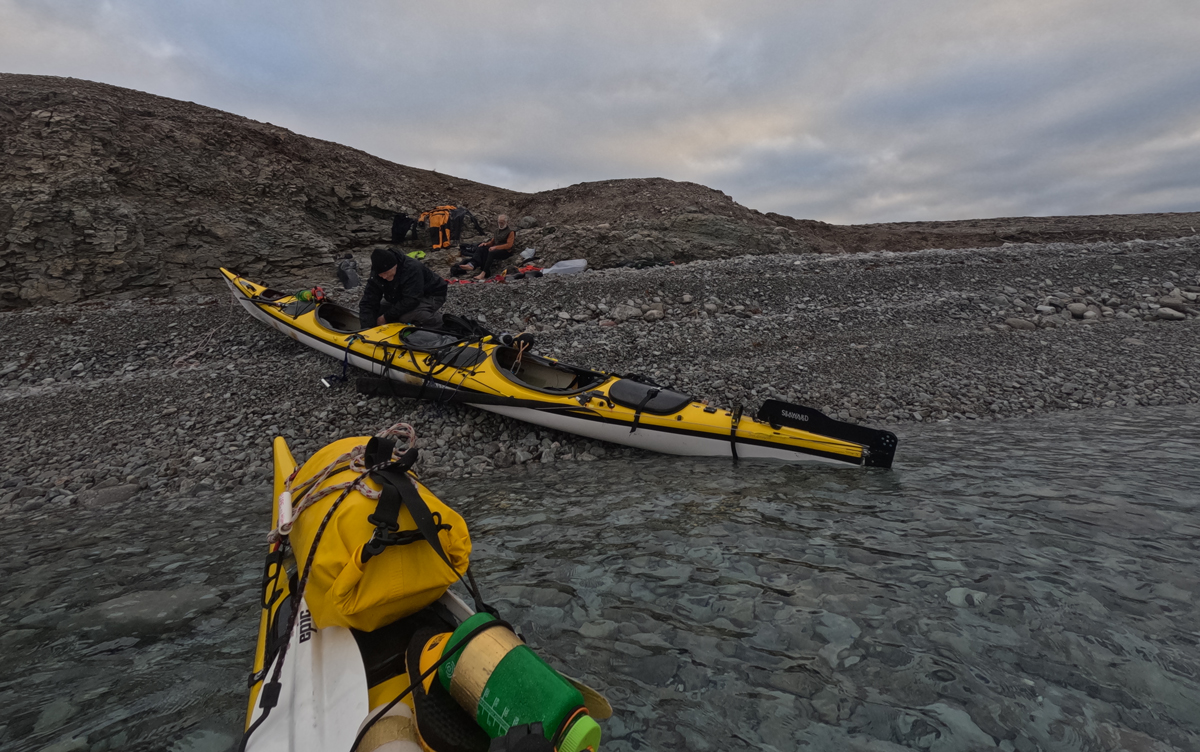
x=860, y=111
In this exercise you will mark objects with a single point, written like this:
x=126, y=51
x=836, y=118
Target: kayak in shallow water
x=501, y=374
x=355, y=604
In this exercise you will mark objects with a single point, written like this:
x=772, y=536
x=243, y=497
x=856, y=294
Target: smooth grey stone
x=961, y=596
x=54, y=715
x=657, y=669
x=626, y=312
x=205, y=740
x=600, y=630
x=147, y=612
x=107, y=496
x=75, y=744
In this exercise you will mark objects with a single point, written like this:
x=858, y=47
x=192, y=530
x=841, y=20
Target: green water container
x=502, y=683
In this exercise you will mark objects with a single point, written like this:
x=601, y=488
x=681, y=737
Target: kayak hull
x=593, y=410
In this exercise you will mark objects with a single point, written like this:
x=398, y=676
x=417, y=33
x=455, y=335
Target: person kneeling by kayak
x=401, y=290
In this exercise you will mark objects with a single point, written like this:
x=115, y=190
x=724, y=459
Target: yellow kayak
x=337, y=674
x=500, y=374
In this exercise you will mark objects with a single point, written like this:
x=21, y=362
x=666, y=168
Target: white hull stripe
x=664, y=440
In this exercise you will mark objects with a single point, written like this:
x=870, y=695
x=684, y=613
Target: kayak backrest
x=633, y=394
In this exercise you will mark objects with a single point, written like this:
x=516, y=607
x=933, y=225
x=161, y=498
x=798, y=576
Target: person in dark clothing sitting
x=401, y=290
x=488, y=252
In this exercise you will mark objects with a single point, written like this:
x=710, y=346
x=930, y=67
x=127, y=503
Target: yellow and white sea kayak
x=502, y=376
x=337, y=674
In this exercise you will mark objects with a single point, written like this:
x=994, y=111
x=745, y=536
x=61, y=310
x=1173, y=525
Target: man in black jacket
x=401, y=290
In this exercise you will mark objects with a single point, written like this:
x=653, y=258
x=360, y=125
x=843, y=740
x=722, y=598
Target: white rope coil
x=308, y=493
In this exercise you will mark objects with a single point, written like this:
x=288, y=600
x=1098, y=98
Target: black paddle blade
x=880, y=445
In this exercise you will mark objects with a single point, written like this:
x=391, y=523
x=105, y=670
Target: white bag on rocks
x=573, y=266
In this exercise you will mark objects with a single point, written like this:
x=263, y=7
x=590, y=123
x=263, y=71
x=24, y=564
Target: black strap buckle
x=388, y=534
x=733, y=428
x=637, y=415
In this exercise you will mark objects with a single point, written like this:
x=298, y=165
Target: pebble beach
x=183, y=396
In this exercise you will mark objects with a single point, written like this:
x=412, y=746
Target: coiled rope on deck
x=310, y=492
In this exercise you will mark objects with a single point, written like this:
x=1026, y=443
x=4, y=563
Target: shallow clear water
x=1021, y=584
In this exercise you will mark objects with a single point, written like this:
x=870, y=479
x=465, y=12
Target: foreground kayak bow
x=355, y=608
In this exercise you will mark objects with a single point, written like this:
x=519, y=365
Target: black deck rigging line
x=346, y=359
x=441, y=393
x=733, y=424
x=637, y=415
x=269, y=692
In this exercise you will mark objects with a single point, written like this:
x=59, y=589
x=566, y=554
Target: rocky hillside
x=110, y=192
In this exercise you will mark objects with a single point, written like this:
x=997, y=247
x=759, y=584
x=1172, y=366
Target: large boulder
x=144, y=613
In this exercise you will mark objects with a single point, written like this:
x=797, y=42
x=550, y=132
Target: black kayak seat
x=631, y=394
x=338, y=319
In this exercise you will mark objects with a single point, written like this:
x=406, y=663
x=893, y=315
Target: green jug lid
x=583, y=734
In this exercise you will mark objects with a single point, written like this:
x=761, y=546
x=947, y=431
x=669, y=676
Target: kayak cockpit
x=268, y=294
x=544, y=375
x=339, y=319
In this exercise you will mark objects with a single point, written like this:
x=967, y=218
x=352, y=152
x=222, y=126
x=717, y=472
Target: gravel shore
x=105, y=400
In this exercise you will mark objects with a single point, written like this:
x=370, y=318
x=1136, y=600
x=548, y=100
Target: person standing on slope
x=401, y=290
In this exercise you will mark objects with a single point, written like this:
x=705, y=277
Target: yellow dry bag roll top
x=375, y=562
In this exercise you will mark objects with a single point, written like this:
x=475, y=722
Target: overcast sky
x=844, y=111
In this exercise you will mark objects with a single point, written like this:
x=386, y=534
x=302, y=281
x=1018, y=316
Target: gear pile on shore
x=107, y=400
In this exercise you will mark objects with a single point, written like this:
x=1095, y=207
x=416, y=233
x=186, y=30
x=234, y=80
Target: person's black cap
x=381, y=260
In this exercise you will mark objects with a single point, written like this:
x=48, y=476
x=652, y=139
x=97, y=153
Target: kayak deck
x=509, y=380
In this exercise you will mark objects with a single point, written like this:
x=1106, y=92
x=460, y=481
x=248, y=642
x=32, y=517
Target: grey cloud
x=849, y=111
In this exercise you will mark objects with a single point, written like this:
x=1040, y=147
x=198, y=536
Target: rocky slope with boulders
x=114, y=193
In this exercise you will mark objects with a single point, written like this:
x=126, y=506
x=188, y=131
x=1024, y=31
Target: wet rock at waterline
x=145, y=613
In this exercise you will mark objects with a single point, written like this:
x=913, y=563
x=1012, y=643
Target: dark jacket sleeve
x=410, y=284
x=371, y=305
x=435, y=286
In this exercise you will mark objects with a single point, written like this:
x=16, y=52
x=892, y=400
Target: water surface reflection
x=1020, y=585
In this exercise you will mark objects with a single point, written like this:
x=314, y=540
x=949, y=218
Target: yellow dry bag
x=378, y=560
